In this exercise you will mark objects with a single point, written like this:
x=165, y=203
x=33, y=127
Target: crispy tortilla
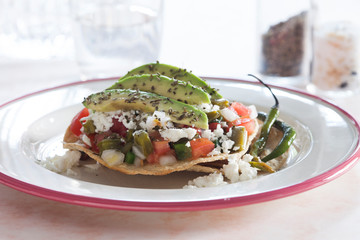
x=72, y=142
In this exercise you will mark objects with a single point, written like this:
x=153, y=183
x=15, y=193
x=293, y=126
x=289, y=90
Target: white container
x=336, y=62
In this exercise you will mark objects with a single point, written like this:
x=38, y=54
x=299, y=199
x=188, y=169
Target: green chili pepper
x=182, y=152
x=109, y=143
x=259, y=145
x=130, y=157
x=288, y=138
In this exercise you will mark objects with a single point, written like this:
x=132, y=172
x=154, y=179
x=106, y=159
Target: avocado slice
x=128, y=99
x=174, y=72
x=164, y=86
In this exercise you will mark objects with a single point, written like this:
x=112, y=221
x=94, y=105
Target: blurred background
x=60, y=41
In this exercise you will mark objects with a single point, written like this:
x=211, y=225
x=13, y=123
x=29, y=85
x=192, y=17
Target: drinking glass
x=113, y=36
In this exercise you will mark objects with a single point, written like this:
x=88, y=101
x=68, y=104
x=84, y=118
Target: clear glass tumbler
x=113, y=36
x=35, y=30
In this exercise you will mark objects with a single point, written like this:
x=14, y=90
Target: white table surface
x=331, y=211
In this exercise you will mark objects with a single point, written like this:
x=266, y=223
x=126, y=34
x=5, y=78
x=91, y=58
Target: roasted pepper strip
x=288, y=138
x=239, y=136
x=142, y=140
x=259, y=145
x=262, y=166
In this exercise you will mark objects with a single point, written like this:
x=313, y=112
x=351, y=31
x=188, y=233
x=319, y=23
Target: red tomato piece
x=240, y=121
x=76, y=125
x=248, y=123
x=201, y=147
x=118, y=127
x=240, y=109
x=213, y=125
x=152, y=158
x=249, y=126
x=161, y=147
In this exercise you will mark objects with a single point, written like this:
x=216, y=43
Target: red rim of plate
x=191, y=205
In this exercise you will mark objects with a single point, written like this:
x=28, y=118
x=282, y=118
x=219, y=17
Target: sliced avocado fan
x=164, y=86
x=174, y=72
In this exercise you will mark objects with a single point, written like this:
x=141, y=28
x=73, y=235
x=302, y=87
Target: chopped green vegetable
x=239, y=136
x=182, y=151
x=89, y=127
x=213, y=115
x=130, y=157
x=109, y=143
x=222, y=102
x=142, y=140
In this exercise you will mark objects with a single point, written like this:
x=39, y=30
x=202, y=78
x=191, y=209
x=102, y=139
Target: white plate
x=31, y=129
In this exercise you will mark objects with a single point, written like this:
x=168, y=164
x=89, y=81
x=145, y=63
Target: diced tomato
x=248, y=123
x=76, y=125
x=240, y=121
x=201, y=147
x=161, y=147
x=118, y=127
x=249, y=126
x=213, y=125
x=153, y=158
x=240, y=109
x=101, y=136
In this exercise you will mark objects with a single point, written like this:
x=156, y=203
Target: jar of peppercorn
x=285, y=41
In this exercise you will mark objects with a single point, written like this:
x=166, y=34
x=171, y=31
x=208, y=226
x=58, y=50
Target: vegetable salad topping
x=159, y=119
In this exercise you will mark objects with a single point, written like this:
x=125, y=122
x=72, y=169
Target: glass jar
x=285, y=41
x=335, y=69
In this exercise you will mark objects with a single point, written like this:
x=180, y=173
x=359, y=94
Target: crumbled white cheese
x=174, y=134
x=218, y=132
x=211, y=180
x=158, y=119
x=208, y=134
x=102, y=121
x=239, y=169
x=208, y=107
x=226, y=145
x=61, y=164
